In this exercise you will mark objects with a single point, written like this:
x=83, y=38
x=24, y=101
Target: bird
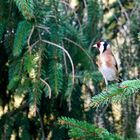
x=106, y=62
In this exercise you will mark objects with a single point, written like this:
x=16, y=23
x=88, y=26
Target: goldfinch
x=106, y=62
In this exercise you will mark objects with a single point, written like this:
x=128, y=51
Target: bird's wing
x=111, y=61
x=98, y=61
x=107, y=59
x=115, y=62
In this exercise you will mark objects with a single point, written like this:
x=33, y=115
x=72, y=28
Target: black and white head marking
x=102, y=46
x=105, y=46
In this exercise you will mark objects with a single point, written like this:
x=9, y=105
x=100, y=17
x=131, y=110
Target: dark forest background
x=48, y=73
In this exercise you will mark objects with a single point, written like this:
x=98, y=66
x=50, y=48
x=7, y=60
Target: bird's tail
x=120, y=79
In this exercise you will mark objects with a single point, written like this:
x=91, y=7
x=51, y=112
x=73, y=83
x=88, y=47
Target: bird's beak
x=94, y=46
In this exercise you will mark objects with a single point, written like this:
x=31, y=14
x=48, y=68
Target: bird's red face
x=98, y=44
x=102, y=46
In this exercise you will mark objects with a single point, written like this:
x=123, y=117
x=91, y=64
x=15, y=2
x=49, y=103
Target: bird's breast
x=108, y=72
x=106, y=67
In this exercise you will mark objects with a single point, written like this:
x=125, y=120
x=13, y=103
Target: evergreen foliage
x=116, y=93
x=1, y=30
x=48, y=70
x=43, y=59
x=22, y=33
x=26, y=7
x=113, y=94
x=121, y=11
x=81, y=130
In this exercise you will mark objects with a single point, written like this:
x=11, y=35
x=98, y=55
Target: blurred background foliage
x=48, y=70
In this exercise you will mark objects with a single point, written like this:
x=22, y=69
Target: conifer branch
x=22, y=33
x=26, y=7
x=72, y=65
x=115, y=93
x=82, y=130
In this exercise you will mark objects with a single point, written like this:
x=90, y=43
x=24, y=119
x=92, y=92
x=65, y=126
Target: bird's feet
x=122, y=86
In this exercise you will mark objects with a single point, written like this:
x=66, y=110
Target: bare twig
x=64, y=2
x=44, y=28
x=34, y=44
x=80, y=47
x=56, y=45
x=67, y=4
x=123, y=33
x=71, y=41
x=85, y=3
x=41, y=124
x=49, y=88
x=65, y=62
x=29, y=39
x=124, y=11
x=31, y=46
x=35, y=107
x=134, y=9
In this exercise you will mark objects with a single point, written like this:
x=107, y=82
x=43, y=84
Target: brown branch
x=42, y=125
x=58, y=46
x=124, y=33
x=124, y=11
x=44, y=28
x=80, y=47
x=65, y=62
x=47, y=86
x=29, y=38
x=67, y=4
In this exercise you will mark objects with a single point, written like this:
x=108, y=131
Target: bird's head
x=102, y=46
